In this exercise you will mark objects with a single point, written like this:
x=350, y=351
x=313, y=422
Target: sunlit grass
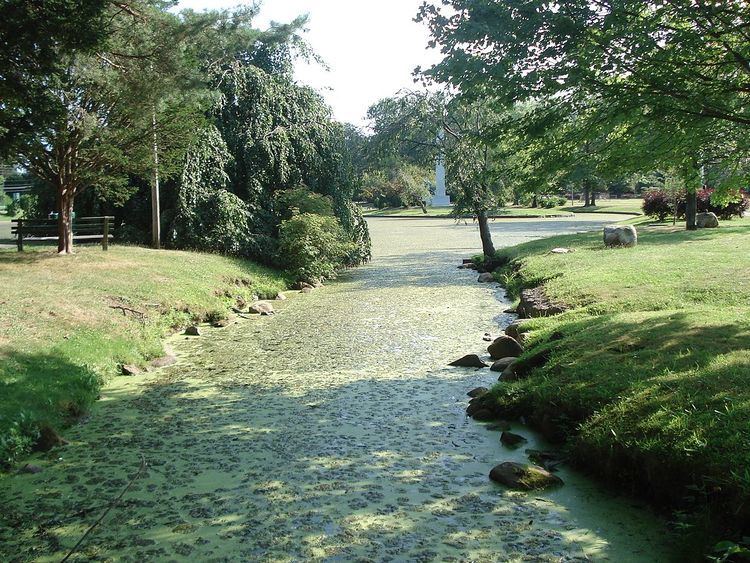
x=648, y=374
x=67, y=322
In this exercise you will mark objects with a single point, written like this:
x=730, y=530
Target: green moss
x=67, y=322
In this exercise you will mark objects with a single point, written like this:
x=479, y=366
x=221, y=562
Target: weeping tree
x=209, y=217
x=269, y=137
x=280, y=136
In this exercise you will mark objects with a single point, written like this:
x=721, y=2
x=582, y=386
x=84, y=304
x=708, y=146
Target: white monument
x=440, y=199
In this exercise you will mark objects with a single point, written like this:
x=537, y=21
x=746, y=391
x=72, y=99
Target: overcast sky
x=371, y=47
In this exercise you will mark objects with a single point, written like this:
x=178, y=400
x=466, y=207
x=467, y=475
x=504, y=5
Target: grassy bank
x=647, y=375
x=66, y=323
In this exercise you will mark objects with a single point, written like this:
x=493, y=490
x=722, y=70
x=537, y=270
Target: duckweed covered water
x=332, y=431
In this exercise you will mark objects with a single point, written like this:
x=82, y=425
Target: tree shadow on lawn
x=624, y=349
x=246, y=467
x=663, y=400
x=40, y=389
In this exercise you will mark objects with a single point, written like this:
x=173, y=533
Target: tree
x=647, y=63
x=35, y=37
x=397, y=184
x=104, y=118
x=471, y=136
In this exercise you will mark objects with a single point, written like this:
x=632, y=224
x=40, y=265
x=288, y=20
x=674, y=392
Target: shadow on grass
x=39, y=389
x=658, y=402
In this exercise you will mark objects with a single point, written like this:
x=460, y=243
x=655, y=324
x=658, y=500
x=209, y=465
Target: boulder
x=474, y=405
x=483, y=415
x=48, y=439
x=486, y=277
x=514, y=329
x=281, y=297
x=503, y=363
x=30, y=468
x=221, y=323
x=504, y=347
x=510, y=439
x=162, y=362
x=487, y=337
x=306, y=290
x=192, y=331
x=509, y=373
x=478, y=392
x=500, y=425
x=469, y=361
x=261, y=308
x=548, y=460
x=523, y=477
x=535, y=303
x=620, y=235
x=706, y=220
x=561, y=251
x=129, y=369
x=303, y=285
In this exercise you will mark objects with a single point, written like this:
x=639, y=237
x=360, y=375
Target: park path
x=332, y=431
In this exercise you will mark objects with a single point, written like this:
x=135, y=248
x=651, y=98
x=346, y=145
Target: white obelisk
x=440, y=199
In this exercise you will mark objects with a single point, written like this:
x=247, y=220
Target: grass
x=632, y=206
x=648, y=374
x=609, y=206
x=61, y=334
x=446, y=211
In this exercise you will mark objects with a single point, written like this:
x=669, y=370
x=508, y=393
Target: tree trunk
x=488, y=249
x=593, y=198
x=535, y=201
x=155, y=211
x=586, y=196
x=691, y=210
x=65, y=222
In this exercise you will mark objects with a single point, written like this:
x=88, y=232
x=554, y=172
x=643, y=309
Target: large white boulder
x=620, y=235
x=706, y=220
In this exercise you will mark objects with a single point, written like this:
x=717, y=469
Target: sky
x=370, y=46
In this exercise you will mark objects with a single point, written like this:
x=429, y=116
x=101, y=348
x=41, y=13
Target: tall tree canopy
x=676, y=69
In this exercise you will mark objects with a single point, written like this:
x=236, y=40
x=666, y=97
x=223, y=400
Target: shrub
x=732, y=205
x=302, y=200
x=5, y=199
x=313, y=247
x=550, y=201
x=25, y=206
x=658, y=203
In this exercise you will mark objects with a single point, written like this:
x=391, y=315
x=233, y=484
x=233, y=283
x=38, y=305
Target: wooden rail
x=91, y=227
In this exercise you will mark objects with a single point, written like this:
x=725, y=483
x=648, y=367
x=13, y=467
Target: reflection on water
x=331, y=431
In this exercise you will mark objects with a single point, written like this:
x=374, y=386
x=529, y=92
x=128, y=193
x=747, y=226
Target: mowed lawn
x=630, y=206
x=446, y=212
x=67, y=322
x=648, y=373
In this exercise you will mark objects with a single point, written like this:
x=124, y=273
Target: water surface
x=332, y=431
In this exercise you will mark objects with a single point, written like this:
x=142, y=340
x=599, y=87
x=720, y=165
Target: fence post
x=19, y=234
x=105, y=238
